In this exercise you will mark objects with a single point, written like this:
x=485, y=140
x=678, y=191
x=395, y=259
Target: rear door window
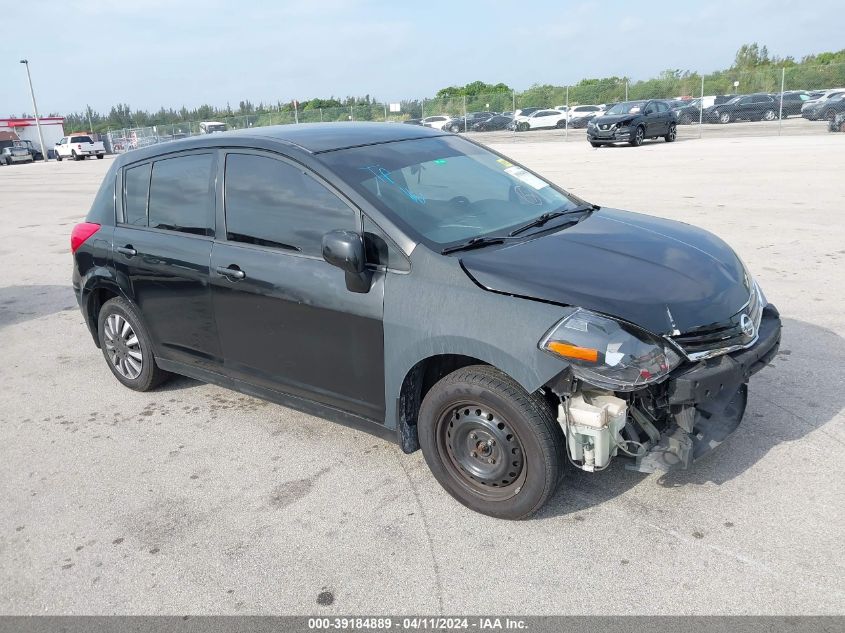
x=272, y=203
x=182, y=194
x=136, y=188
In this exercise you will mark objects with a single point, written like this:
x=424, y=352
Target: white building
x=52, y=127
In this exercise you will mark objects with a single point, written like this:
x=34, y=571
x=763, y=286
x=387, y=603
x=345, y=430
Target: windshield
x=446, y=189
x=627, y=107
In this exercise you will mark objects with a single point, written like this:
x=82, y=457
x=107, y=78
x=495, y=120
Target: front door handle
x=232, y=272
x=127, y=250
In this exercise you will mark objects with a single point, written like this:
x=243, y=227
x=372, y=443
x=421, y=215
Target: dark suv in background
x=632, y=122
x=417, y=285
x=756, y=107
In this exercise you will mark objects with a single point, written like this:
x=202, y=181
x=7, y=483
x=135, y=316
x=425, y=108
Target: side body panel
x=169, y=281
x=291, y=324
x=437, y=309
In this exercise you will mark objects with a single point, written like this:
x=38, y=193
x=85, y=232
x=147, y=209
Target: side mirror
x=345, y=249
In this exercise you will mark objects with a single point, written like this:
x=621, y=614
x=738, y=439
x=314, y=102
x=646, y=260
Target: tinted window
x=662, y=107
x=272, y=203
x=181, y=195
x=136, y=186
x=80, y=139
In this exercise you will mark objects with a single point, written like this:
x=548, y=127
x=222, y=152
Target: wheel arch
x=96, y=295
x=424, y=374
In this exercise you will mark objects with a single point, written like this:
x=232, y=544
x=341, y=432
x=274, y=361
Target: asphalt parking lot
x=197, y=500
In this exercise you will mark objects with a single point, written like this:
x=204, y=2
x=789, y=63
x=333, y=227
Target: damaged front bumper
x=706, y=402
x=669, y=425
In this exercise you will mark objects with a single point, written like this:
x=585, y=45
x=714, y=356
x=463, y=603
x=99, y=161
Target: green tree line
x=754, y=69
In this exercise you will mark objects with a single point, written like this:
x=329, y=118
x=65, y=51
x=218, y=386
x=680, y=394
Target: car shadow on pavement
x=24, y=303
x=797, y=394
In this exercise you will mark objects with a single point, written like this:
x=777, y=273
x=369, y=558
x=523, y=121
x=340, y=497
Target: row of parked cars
x=812, y=105
x=519, y=120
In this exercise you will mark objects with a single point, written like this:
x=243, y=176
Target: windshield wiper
x=551, y=215
x=475, y=242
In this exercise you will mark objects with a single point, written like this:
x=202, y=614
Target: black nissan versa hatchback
x=420, y=286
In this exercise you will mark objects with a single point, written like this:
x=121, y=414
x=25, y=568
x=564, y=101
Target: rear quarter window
x=136, y=187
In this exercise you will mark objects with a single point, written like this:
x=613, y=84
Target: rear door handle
x=127, y=250
x=232, y=272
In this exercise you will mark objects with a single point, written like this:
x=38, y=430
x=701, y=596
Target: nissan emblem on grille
x=747, y=326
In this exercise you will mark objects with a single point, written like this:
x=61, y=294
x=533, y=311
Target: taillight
x=79, y=146
x=80, y=233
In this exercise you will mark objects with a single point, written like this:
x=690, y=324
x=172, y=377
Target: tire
x=58, y=157
x=510, y=478
x=74, y=155
x=638, y=138
x=99, y=156
x=673, y=133
x=522, y=127
x=829, y=115
x=769, y=115
x=561, y=124
x=725, y=117
x=119, y=350
x=454, y=129
x=595, y=144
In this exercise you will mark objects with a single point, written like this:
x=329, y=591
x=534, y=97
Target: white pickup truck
x=79, y=147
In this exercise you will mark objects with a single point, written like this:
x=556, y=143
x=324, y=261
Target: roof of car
x=310, y=137
x=325, y=137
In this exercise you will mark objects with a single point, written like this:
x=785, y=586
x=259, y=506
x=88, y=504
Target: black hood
x=634, y=267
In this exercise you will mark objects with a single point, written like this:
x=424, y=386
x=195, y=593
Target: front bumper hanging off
x=707, y=402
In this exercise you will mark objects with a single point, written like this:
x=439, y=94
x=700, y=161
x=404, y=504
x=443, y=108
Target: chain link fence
x=772, y=101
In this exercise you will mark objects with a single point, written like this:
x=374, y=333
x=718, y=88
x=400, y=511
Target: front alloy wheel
x=639, y=136
x=724, y=118
x=769, y=115
x=672, y=134
x=494, y=447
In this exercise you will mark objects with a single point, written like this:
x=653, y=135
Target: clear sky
x=149, y=53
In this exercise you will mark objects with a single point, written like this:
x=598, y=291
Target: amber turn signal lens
x=573, y=351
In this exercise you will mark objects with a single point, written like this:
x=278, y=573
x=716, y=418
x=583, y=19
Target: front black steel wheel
x=494, y=447
x=480, y=450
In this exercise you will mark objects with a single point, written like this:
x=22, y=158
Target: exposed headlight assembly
x=608, y=354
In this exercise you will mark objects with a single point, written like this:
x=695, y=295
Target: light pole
x=35, y=107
